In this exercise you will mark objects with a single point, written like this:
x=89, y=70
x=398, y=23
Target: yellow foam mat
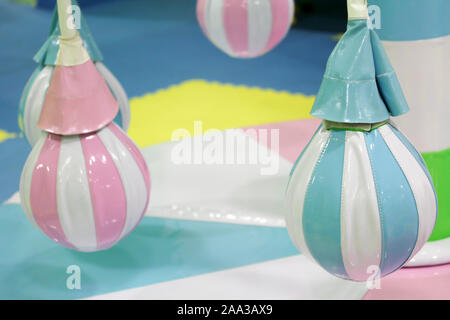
x=6, y=135
x=155, y=116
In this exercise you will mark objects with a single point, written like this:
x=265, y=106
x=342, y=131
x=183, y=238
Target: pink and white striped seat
x=86, y=192
x=245, y=28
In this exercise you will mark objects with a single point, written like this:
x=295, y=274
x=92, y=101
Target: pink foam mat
x=294, y=136
x=425, y=283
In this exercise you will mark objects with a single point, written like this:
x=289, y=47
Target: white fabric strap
x=357, y=9
x=71, y=50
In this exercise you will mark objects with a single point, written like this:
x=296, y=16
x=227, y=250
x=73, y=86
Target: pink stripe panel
x=107, y=191
x=43, y=197
x=235, y=17
x=281, y=21
x=201, y=7
x=137, y=155
x=78, y=100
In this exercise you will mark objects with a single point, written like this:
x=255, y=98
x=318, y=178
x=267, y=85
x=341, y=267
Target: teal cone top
x=359, y=85
x=48, y=52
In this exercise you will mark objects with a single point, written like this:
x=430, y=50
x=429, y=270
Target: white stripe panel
x=75, y=210
x=360, y=219
x=298, y=186
x=292, y=278
x=27, y=175
x=259, y=25
x=214, y=25
x=34, y=103
x=420, y=185
x=118, y=92
x=132, y=178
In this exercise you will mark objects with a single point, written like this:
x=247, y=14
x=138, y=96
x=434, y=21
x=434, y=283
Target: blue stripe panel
x=407, y=20
x=34, y=267
x=322, y=208
x=398, y=212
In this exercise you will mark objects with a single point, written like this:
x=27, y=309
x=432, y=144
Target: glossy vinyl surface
x=245, y=28
x=357, y=200
x=36, y=89
x=77, y=101
x=359, y=85
x=433, y=253
x=32, y=101
x=86, y=192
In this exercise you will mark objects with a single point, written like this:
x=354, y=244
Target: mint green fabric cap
x=359, y=85
x=48, y=52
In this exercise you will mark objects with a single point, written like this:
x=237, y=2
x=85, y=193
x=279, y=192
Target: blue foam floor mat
x=34, y=267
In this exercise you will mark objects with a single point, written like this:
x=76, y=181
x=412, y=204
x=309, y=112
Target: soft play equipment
x=245, y=29
x=85, y=183
x=360, y=195
x=217, y=228
x=47, y=57
x=419, y=52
